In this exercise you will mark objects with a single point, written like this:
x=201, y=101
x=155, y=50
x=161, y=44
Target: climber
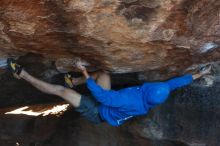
x=114, y=107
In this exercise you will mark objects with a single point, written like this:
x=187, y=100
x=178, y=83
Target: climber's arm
x=196, y=76
x=202, y=73
x=180, y=81
x=104, y=96
x=186, y=79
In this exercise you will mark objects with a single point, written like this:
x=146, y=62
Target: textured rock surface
x=167, y=36
x=67, y=130
x=160, y=38
x=189, y=118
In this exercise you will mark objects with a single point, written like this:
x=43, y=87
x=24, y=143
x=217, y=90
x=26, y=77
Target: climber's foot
x=68, y=81
x=14, y=67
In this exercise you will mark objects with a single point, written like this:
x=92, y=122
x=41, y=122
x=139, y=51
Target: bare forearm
x=86, y=74
x=197, y=76
x=203, y=71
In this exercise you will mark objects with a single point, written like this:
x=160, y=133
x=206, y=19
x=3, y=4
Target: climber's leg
x=85, y=105
x=89, y=106
x=102, y=79
x=69, y=95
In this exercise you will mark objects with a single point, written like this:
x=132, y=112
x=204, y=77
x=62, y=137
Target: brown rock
x=166, y=36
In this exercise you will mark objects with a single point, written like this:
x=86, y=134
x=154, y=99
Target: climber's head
x=156, y=94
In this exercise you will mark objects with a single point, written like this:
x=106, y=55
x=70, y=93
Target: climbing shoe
x=14, y=67
x=68, y=80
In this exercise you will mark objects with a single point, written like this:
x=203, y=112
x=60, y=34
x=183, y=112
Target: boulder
x=164, y=36
x=135, y=41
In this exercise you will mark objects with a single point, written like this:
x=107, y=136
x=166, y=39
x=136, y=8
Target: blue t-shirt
x=118, y=106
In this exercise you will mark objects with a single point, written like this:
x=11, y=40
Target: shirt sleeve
x=180, y=81
x=106, y=97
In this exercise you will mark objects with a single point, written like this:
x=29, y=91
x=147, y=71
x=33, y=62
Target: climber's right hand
x=80, y=66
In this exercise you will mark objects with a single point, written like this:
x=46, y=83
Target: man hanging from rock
x=107, y=105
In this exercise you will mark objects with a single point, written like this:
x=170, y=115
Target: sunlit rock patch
x=55, y=110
